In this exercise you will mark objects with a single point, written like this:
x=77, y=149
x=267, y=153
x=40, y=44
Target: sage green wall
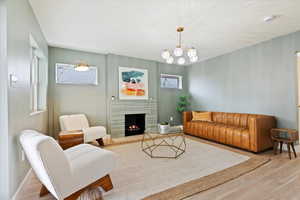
x=168, y=98
x=4, y=169
x=257, y=79
x=71, y=99
x=95, y=100
x=21, y=23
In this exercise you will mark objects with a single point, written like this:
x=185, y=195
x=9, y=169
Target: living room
x=149, y=100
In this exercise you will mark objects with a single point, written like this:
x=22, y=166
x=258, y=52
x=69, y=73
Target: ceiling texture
x=143, y=28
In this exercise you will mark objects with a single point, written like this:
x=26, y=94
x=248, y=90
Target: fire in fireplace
x=134, y=124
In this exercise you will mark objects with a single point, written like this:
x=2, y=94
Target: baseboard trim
x=15, y=196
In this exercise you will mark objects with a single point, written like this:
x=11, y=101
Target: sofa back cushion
x=202, y=116
x=232, y=119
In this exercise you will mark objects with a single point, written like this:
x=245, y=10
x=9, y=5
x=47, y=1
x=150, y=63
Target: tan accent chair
x=246, y=131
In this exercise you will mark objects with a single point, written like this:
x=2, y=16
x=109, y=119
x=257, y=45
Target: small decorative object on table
x=284, y=135
x=164, y=127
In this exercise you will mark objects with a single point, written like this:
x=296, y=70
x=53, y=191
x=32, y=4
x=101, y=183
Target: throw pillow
x=202, y=116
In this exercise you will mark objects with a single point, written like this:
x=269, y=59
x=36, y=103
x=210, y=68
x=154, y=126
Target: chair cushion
x=73, y=122
x=93, y=133
x=89, y=163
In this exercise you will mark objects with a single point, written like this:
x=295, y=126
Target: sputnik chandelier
x=181, y=55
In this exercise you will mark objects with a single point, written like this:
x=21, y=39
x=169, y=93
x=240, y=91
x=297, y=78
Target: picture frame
x=133, y=83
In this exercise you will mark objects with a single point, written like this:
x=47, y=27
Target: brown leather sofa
x=246, y=131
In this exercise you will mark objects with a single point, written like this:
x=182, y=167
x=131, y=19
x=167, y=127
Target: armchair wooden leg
x=43, y=191
x=275, y=146
x=100, y=142
x=74, y=196
x=295, y=154
x=289, y=150
x=104, y=182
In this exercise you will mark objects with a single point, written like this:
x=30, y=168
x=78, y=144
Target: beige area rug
x=201, y=167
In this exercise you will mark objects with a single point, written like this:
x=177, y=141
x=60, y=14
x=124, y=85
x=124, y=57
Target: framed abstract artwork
x=133, y=83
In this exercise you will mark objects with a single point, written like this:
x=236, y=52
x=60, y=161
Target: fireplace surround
x=118, y=109
x=134, y=124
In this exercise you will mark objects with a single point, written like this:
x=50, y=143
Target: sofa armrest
x=259, y=128
x=187, y=116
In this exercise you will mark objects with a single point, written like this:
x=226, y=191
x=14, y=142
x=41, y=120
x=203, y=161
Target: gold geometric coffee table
x=154, y=143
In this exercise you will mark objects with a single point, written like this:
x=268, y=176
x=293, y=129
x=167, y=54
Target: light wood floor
x=278, y=179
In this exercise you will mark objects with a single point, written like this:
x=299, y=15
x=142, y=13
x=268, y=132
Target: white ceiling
x=143, y=28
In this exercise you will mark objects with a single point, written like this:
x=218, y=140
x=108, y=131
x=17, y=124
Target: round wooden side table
x=284, y=135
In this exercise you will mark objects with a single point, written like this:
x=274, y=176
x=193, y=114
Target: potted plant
x=164, y=127
x=183, y=103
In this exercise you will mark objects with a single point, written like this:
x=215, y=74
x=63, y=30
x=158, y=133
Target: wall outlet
x=13, y=80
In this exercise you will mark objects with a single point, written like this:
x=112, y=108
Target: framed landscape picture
x=133, y=83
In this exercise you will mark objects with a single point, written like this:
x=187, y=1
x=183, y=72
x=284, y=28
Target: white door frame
x=4, y=169
x=298, y=88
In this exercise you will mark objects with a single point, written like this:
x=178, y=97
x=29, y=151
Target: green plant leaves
x=182, y=103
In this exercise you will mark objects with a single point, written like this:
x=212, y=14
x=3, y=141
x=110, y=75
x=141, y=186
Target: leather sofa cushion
x=202, y=116
x=231, y=135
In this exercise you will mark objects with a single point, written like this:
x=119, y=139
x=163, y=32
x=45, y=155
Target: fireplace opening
x=134, y=124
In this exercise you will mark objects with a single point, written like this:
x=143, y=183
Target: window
x=35, y=80
x=170, y=81
x=39, y=78
x=66, y=74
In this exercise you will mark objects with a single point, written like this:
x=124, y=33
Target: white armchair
x=79, y=122
x=66, y=174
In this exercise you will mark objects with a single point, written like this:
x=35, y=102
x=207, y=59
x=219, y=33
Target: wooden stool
x=291, y=137
x=67, y=139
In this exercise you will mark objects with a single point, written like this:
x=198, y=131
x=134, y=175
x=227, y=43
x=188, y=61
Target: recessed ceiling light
x=270, y=18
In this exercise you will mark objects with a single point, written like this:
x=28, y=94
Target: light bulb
x=81, y=67
x=178, y=51
x=194, y=59
x=192, y=52
x=165, y=54
x=181, y=61
x=170, y=60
